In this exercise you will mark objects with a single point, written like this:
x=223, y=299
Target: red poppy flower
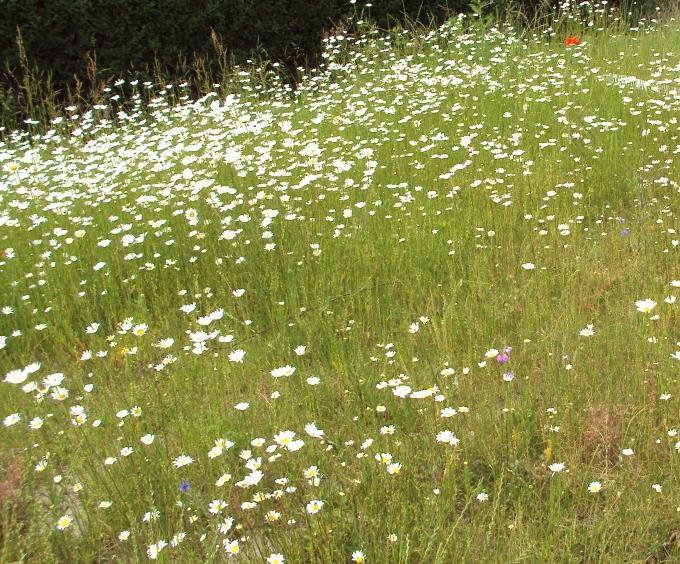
x=572, y=41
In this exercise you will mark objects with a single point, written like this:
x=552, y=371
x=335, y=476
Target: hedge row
x=129, y=35
x=61, y=36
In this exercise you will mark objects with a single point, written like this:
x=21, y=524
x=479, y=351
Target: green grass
x=424, y=139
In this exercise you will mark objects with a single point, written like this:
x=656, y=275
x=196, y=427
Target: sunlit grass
x=456, y=230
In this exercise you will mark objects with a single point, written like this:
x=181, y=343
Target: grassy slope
x=453, y=256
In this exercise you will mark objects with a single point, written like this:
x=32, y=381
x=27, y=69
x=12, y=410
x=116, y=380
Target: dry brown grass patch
x=10, y=490
x=601, y=437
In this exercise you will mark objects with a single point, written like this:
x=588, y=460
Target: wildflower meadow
x=422, y=308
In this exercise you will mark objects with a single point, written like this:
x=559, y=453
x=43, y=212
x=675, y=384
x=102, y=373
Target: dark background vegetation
x=65, y=36
x=59, y=52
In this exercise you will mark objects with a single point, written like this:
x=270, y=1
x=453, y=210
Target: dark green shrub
x=130, y=34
